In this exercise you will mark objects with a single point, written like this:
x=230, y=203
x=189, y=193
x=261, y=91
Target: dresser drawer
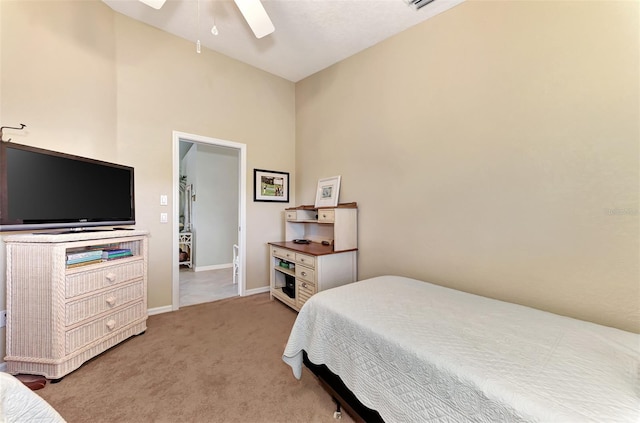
x=305, y=273
x=283, y=253
x=306, y=260
x=77, y=311
x=326, y=216
x=93, y=331
x=102, y=277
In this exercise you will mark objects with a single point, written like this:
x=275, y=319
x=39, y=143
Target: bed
x=20, y=404
x=418, y=352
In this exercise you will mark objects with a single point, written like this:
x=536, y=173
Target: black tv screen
x=43, y=189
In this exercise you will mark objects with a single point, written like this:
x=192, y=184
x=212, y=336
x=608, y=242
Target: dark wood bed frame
x=342, y=396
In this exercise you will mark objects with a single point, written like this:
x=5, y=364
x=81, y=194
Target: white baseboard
x=159, y=310
x=212, y=267
x=168, y=308
x=255, y=291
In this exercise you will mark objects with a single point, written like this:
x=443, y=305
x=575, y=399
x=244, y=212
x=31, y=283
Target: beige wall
x=88, y=81
x=492, y=149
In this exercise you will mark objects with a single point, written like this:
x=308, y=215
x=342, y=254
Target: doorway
x=178, y=221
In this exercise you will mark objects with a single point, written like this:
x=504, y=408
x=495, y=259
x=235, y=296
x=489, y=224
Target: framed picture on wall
x=328, y=192
x=270, y=185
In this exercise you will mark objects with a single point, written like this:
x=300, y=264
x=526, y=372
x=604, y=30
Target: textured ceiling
x=310, y=35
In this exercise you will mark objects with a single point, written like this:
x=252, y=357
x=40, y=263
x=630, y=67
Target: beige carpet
x=213, y=362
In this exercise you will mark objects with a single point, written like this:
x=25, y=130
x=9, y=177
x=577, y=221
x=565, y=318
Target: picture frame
x=270, y=186
x=328, y=192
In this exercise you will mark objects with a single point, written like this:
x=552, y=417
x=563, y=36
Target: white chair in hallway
x=236, y=263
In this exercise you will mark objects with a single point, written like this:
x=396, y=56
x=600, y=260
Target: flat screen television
x=43, y=189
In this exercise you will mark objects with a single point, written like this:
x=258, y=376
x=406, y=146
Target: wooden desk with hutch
x=313, y=267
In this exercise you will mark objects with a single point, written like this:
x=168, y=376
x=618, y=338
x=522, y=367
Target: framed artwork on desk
x=328, y=192
x=270, y=185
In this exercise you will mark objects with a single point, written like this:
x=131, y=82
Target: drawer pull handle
x=302, y=260
x=304, y=285
x=303, y=273
x=111, y=324
x=111, y=301
x=111, y=277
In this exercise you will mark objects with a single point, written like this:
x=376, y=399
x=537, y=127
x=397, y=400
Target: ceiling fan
x=252, y=10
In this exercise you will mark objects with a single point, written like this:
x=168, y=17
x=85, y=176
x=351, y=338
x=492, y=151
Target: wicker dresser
x=60, y=315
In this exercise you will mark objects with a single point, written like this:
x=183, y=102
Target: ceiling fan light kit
x=256, y=17
x=156, y=4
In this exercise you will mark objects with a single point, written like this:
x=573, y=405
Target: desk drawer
x=291, y=215
x=283, y=253
x=306, y=260
x=305, y=273
x=326, y=216
x=304, y=291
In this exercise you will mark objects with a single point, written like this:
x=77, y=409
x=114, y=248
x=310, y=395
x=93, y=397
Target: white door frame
x=242, y=206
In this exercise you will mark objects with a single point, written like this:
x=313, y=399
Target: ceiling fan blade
x=256, y=17
x=156, y=4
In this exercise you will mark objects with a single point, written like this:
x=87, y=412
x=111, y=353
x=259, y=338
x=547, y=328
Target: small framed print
x=328, y=192
x=270, y=185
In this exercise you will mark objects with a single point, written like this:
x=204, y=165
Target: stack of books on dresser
x=95, y=255
x=83, y=258
x=115, y=253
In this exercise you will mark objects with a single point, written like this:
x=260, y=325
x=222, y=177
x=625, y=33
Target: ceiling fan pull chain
x=198, y=28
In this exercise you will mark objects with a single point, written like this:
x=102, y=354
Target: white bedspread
x=418, y=352
x=20, y=404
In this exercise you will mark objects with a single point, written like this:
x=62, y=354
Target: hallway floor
x=206, y=286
